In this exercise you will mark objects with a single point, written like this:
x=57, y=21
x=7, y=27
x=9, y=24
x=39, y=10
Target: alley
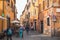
x=40, y=17
x=35, y=36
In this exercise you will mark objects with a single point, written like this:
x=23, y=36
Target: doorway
x=35, y=26
x=42, y=26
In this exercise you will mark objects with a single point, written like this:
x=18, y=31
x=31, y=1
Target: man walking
x=27, y=29
x=9, y=34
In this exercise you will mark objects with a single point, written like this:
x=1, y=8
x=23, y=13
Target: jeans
x=9, y=37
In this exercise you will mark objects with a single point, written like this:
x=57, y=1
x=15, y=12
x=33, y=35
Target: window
x=27, y=0
x=13, y=7
x=50, y=3
x=28, y=14
x=34, y=1
x=47, y=3
x=43, y=5
x=27, y=7
x=14, y=1
x=11, y=4
x=59, y=2
x=56, y=2
x=34, y=11
x=39, y=8
x=31, y=23
x=8, y=4
x=29, y=4
x=57, y=9
x=48, y=21
x=8, y=0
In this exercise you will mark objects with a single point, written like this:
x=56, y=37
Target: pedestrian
x=21, y=29
x=27, y=29
x=32, y=28
x=9, y=33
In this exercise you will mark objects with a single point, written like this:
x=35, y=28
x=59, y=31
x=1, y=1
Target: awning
x=15, y=21
x=2, y=18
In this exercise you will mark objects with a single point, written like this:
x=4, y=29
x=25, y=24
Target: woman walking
x=21, y=32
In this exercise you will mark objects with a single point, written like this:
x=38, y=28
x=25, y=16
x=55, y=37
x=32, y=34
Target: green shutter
x=2, y=14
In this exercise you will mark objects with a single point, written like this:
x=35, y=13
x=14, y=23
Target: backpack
x=9, y=32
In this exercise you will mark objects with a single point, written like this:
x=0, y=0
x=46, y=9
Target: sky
x=20, y=5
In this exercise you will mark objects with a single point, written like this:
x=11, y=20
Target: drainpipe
x=14, y=13
x=2, y=15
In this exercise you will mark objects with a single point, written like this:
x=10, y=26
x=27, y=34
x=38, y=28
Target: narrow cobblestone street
x=35, y=36
x=40, y=17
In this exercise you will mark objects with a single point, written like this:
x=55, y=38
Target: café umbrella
x=15, y=21
x=2, y=17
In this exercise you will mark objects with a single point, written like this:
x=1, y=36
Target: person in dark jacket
x=9, y=33
x=27, y=29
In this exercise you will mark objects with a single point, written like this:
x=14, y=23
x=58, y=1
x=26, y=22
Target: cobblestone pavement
x=35, y=36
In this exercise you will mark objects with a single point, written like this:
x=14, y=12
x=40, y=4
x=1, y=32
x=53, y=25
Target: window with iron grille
x=48, y=21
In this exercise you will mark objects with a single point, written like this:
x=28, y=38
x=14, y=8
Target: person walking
x=21, y=29
x=32, y=28
x=27, y=29
x=9, y=33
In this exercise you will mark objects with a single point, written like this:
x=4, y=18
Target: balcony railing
x=56, y=4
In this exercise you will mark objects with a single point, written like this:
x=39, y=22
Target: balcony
x=56, y=4
x=57, y=9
